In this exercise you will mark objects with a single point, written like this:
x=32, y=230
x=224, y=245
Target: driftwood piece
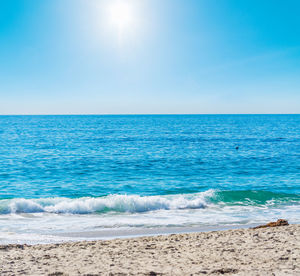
x=280, y=222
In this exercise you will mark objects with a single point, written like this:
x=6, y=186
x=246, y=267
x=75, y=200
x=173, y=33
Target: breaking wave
x=140, y=204
x=115, y=203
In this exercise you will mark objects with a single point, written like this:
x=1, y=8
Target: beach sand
x=266, y=251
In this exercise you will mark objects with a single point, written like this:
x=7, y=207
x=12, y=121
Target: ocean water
x=61, y=175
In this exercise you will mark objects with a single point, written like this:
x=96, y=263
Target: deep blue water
x=73, y=157
x=76, y=156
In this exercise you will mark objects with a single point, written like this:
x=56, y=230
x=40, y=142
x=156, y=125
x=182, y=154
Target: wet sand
x=263, y=251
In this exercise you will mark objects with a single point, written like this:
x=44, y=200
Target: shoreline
x=115, y=233
x=231, y=252
x=149, y=232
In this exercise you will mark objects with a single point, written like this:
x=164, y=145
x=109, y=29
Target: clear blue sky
x=170, y=56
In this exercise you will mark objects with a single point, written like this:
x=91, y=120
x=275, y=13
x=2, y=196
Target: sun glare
x=121, y=15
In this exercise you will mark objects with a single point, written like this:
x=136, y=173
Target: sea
x=84, y=177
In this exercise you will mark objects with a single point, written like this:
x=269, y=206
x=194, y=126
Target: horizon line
x=142, y=114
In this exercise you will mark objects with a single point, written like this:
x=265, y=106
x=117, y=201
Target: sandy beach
x=266, y=251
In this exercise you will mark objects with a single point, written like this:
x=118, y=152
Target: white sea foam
x=117, y=203
x=52, y=227
x=59, y=219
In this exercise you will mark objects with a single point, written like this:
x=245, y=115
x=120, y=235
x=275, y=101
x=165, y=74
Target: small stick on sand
x=279, y=222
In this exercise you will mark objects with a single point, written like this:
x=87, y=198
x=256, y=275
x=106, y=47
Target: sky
x=149, y=56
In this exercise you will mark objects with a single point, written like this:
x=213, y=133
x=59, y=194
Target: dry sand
x=267, y=251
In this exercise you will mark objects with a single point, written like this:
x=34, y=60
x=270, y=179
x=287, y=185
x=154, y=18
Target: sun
x=121, y=15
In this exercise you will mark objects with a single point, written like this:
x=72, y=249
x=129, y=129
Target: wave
x=140, y=204
x=247, y=197
x=116, y=203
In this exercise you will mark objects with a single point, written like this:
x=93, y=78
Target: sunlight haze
x=149, y=57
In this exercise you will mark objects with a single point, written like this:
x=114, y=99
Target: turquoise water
x=110, y=172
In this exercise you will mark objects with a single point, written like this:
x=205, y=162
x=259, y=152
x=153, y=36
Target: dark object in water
x=237, y=148
x=280, y=222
